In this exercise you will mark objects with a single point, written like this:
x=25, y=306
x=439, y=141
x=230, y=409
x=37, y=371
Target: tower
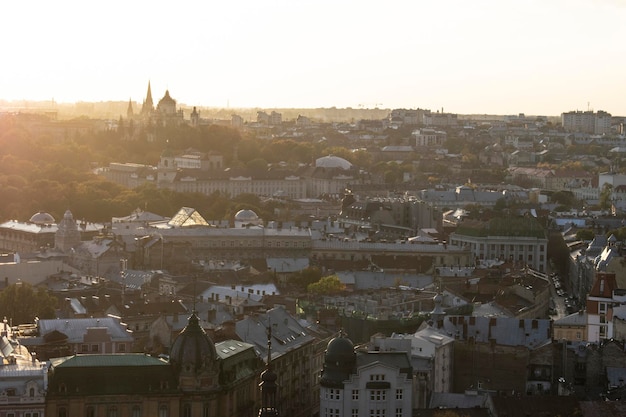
x=67, y=235
x=268, y=383
x=148, y=105
x=195, y=359
x=129, y=111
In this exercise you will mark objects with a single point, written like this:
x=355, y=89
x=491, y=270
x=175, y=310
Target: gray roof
x=106, y=360
x=229, y=348
x=287, y=264
x=287, y=333
x=575, y=319
x=364, y=280
x=507, y=331
x=398, y=360
x=453, y=400
x=75, y=329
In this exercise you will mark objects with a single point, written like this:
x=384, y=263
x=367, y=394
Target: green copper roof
x=110, y=360
x=503, y=226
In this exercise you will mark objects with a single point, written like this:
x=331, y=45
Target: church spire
x=148, y=104
x=129, y=111
x=268, y=382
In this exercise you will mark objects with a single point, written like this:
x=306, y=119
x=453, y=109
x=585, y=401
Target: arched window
x=31, y=392
x=136, y=412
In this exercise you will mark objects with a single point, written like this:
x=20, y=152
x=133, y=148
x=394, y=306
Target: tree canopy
x=21, y=303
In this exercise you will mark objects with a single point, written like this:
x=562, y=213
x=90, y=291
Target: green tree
x=21, y=302
x=326, y=286
x=306, y=277
x=585, y=234
x=605, y=196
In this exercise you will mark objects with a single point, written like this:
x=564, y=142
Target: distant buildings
x=520, y=240
x=587, y=122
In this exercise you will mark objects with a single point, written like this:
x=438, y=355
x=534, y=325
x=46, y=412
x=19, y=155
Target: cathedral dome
x=42, y=218
x=193, y=350
x=332, y=161
x=167, y=104
x=339, y=362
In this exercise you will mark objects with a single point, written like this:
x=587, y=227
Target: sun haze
x=484, y=56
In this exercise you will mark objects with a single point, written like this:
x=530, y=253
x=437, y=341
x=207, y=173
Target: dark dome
x=42, y=218
x=339, y=362
x=192, y=350
x=340, y=349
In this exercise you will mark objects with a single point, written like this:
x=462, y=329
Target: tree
x=585, y=234
x=605, y=196
x=306, y=277
x=21, y=303
x=326, y=286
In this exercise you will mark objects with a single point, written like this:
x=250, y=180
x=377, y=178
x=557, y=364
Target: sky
x=538, y=57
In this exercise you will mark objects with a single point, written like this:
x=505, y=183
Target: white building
x=515, y=239
x=23, y=379
x=364, y=383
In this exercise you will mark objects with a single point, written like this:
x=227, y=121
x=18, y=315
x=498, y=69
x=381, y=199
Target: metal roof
x=107, y=360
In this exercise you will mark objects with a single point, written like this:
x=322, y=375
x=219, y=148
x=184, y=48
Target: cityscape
x=338, y=262
x=313, y=209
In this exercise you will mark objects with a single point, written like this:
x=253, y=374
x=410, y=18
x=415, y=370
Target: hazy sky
x=485, y=56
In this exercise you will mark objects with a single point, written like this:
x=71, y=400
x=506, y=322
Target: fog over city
x=485, y=56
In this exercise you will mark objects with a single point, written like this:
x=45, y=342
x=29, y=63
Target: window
x=84, y=348
x=578, y=336
x=205, y=410
x=121, y=347
x=90, y=411
x=94, y=348
x=136, y=411
x=355, y=412
x=10, y=392
x=112, y=412
x=398, y=412
x=187, y=410
x=31, y=392
x=378, y=395
x=377, y=377
x=163, y=411
x=602, y=319
x=398, y=394
x=335, y=394
x=62, y=412
x=601, y=308
x=355, y=394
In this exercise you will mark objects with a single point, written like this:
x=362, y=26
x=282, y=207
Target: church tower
x=67, y=235
x=148, y=105
x=268, y=384
x=129, y=111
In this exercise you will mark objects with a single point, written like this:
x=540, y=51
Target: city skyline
x=478, y=57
